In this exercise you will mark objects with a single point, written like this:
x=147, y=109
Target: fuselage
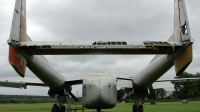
x=99, y=91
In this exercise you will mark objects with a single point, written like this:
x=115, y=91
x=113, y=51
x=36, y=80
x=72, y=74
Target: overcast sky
x=87, y=21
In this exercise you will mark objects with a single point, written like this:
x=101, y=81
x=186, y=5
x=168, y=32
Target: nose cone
x=99, y=92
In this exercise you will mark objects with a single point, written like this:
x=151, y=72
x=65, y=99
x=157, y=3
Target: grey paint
x=103, y=87
x=41, y=68
x=58, y=48
x=15, y=28
x=157, y=68
x=99, y=91
x=162, y=63
x=181, y=23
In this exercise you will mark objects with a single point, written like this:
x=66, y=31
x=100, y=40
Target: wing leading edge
x=24, y=84
x=169, y=82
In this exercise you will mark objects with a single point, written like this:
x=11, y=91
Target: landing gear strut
x=137, y=107
x=60, y=108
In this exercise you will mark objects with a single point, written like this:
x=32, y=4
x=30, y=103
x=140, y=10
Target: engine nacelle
x=99, y=92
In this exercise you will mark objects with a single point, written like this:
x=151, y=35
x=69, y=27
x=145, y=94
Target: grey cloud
x=96, y=20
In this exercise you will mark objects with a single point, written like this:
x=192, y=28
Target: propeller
x=128, y=93
x=73, y=96
x=123, y=97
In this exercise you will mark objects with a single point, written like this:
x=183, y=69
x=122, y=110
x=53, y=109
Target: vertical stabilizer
x=181, y=34
x=181, y=24
x=18, y=34
x=18, y=28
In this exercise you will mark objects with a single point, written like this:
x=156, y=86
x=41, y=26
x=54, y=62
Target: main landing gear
x=137, y=107
x=98, y=110
x=60, y=108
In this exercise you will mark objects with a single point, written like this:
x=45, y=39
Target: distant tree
x=189, y=89
x=151, y=96
x=120, y=93
x=161, y=92
x=12, y=101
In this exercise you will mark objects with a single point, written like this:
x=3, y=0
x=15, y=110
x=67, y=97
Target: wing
x=24, y=84
x=20, y=84
x=169, y=82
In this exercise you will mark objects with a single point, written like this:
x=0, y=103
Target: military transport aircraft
x=99, y=91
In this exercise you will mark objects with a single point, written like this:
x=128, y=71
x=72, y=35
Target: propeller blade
x=73, y=96
x=123, y=97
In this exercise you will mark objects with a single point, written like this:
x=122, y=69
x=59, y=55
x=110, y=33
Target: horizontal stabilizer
x=60, y=48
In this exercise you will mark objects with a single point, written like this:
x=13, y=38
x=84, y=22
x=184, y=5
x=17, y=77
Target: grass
x=125, y=107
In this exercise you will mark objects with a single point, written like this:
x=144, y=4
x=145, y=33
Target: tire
x=62, y=109
x=141, y=108
x=135, y=108
x=53, y=108
x=57, y=109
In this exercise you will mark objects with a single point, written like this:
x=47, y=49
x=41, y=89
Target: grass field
x=125, y=107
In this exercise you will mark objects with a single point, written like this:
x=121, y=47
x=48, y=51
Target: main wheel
x=141, y=108
x=53, y=108
x=57, y=109
x=135, y=108
x=62, y=109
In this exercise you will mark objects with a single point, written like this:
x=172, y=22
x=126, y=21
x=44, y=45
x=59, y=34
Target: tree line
x=182, y=90
x=25, y=99
x=30, y=99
